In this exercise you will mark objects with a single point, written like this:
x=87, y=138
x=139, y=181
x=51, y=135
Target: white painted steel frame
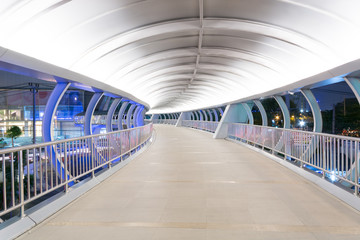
x=80, y=157
x=329, y=154
x=202, y=125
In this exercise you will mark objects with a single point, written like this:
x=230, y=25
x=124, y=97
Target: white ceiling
x=178, y=55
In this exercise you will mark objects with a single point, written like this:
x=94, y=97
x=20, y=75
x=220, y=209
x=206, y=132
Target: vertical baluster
x=21, y=184
x=338, y=156
x=48, y=148
x=85, y=156
x=12, y=181
x=342, y=158
x=28, y=173
x=356, y=173
x=88, y=142
x=351, y=159
x=331, y=149
x=346, y=157
x=323, y=156
x=61, y=163
x=4, y=182
x=65, y=168
x=77, y=144
x=73, y=152
x=81, y=167
x=46, y=168
x=92, y=157
x=40, y=170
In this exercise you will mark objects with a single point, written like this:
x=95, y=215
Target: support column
x=140, y=117
x=206, y=119
x=183, y=116
x=195, y=116
x=354, y=84
x=221, y=111
x=286, y=116
x=210, y=115
x=249, y=113
x=90, y=111
x=129, y=115
x=121, y=114
x=135, y=115
x=47, y=124
x=315, y=109
x=284, y=110
x=262, y=112
x=110, y=114
x=200, y=115
x=216, y=115
x=50, y=109
x=234, y=113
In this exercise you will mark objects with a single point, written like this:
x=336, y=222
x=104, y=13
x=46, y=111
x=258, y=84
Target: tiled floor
x=190, y=186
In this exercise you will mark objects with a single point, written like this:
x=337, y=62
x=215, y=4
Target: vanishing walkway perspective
x=187, y=185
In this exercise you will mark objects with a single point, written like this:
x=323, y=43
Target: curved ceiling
x=179, y=55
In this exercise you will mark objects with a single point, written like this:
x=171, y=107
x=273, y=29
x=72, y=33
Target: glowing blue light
x=333, y=177
x=302, y=123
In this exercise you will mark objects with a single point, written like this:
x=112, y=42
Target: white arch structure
x=185, y=55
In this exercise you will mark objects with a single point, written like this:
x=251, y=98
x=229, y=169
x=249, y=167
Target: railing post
x=21, y=183
x=129, y=142
x=272, y=141
x=66, y=168
x=92, y=158
x=323, y=156
x=286, y=133
x=356, y=190
x=108, y=149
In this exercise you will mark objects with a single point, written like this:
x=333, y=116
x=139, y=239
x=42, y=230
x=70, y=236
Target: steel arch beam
x=354, y=84
x=50, y=110
x=135, y=114
x=284, y=110
x=249, y=113
x=262, y=112
x=318, y=122
x=121, y=113
x=110, y=114
x=129, y=116
x=90, y=111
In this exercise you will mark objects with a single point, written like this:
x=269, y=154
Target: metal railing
x=202, y=125
x=30, y=172
x=165, y=121
x=330, y=156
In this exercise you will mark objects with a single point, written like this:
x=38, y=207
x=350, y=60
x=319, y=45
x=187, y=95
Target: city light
x=302, y=123
x=333, y=177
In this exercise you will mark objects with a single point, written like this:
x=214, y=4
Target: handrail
x=165, y=121
x=32, y=171
x=332, y=156
x=202, y=125
x=302, y=131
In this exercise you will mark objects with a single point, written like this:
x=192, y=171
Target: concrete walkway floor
x=190, y=186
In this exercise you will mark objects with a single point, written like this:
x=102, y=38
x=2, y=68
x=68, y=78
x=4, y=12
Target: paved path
x=190, y=186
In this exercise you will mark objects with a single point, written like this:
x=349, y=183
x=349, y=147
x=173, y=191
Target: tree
x=13, y=133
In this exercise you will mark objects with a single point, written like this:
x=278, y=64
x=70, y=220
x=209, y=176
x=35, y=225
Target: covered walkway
x=188, y=185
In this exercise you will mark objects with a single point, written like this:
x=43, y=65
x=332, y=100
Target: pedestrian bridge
x=187, y=185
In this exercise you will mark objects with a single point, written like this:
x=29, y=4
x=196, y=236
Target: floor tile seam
x=352, y=230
